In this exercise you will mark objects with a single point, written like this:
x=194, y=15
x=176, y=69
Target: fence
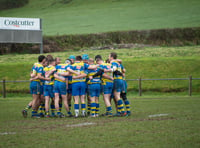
x=190, y=79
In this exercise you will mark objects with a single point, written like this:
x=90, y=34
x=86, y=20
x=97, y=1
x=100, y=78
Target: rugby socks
x=76, y=109
x=109, y=110
x=53, y=109
x=120, y=106
x=34, y=113
x=127, y=104
x=97, y=109
x=83, y=109
x=88, y=108
x=41, y=109
x=93, y=108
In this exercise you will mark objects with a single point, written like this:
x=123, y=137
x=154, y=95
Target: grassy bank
x=147, y=63
x=88, y=16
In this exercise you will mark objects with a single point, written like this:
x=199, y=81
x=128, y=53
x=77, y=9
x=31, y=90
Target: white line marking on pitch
x=158, y=115
x=80, y=124
x=8, y=133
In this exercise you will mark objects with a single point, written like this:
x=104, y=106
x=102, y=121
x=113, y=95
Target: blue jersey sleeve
x=86, y=66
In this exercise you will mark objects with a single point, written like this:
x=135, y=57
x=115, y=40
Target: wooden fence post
x=190, y=85
x=140, y=86
x=4, y=88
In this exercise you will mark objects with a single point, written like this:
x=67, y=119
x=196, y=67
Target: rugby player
x=37, y=71
x=107, y=84
x=118, y=83
x=79, y=85
x=94, y=89
x=48, y=85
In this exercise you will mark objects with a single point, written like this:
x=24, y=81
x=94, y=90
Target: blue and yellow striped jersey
x=106, y=66
x=47, y=70
x=117, y=66
x=61, y=68
x=92, y=72
x=79, y=67
x=36, y=69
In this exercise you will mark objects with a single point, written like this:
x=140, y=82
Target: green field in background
x=89, y=16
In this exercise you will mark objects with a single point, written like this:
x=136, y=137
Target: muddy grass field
x=159, y=122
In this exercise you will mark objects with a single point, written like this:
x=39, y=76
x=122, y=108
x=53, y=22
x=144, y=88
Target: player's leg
x=47, y=99
x=97, y=93
x=125, y=99
x=82, y=98
x=92, y=100
x=75, y=94
x=35, y=91
x=107, y=90
x=117, y=90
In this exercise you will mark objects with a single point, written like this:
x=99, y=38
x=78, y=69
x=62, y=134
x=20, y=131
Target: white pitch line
x=8, y=133
x=158, y=115
x=80, y=124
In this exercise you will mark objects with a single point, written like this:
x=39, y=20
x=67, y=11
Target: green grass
x=180, y=128
x=89, y=16
x=147, y=63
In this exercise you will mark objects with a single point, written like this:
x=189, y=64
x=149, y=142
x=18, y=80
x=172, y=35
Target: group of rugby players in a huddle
x=53, y=84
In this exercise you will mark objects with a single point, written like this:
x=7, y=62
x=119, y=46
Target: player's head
x=85, y=58
x=98, y=56
x=52, y=62
x=78, y=58
x=112, y=56
x=58, y=61
x=99, y=61
x=91, y=61
x=72, y=58
x=107, y=61
x=49, y=57
x=42, y=59
x=68, y=61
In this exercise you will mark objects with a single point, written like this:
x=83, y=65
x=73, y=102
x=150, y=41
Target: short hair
x=68, y=61
x=91, y=60
x=51, y=61
x=107, y=61
x=98, y=56
x=113, y=55
x=78, y=58
x=41, y=58
x=49, y=57
x=98, y=59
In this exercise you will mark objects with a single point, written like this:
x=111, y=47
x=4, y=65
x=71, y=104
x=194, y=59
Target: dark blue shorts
x=118, y=85
x=78, y=88
x=94, y=89
x=48, y=91
x=35, y=87
x=107, y=89
x=60, y=87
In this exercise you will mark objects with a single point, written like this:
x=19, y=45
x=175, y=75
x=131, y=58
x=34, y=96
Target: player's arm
x=43, y=78
x=99, y=73
x=34, y=78
x=72, y=71
x=93, y=66
x=58, y=77
x=50, y=72
x=82, y=75
x=107, y=76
